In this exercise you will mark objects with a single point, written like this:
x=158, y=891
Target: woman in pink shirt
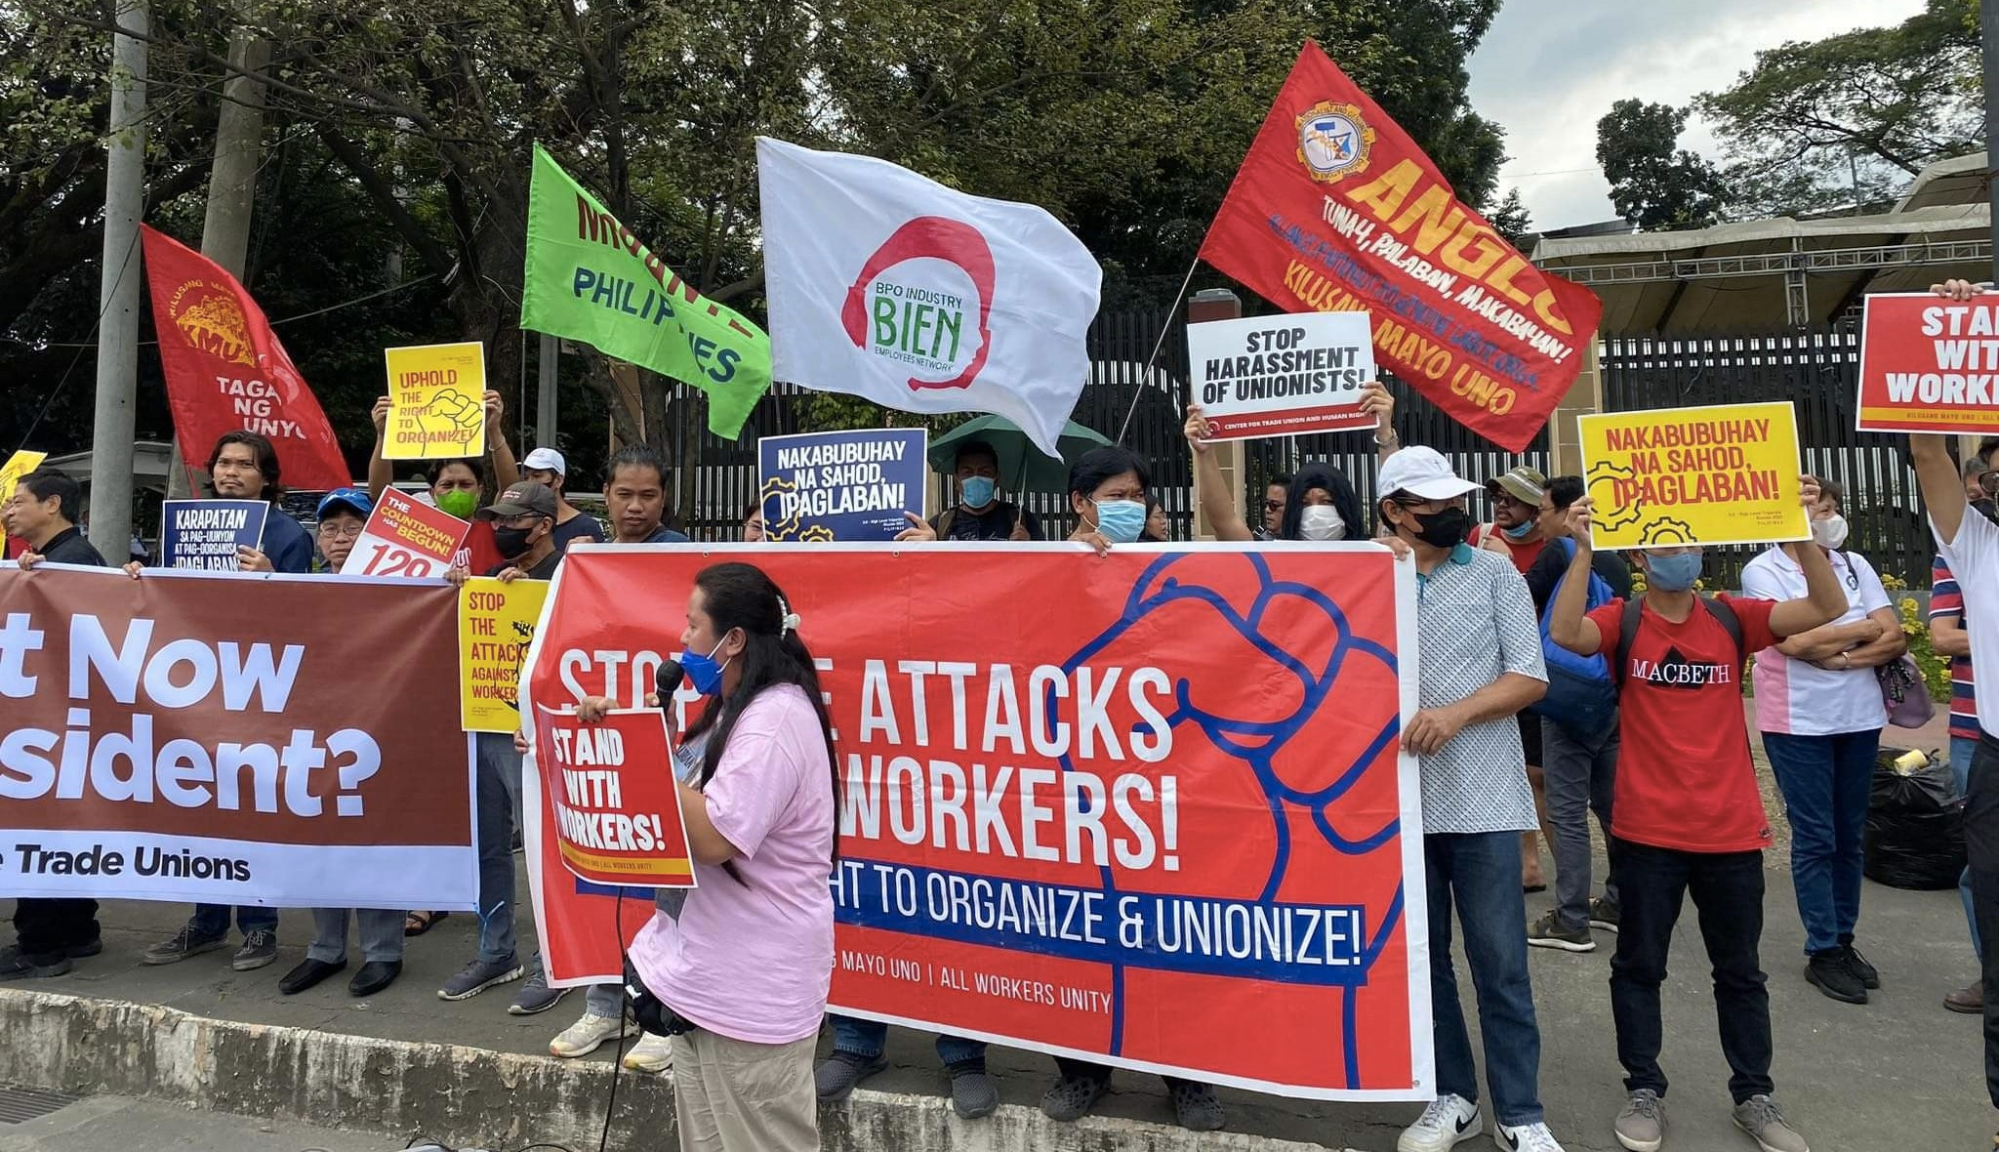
x=745, y=961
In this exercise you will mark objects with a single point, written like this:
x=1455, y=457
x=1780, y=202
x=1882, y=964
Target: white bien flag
x=890, y=286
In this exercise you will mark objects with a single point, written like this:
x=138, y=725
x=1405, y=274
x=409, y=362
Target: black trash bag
x=1915, y=826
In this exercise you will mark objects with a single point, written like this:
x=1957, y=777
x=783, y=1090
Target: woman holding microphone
x=739, y=969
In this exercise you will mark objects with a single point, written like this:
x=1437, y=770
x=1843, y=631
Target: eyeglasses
x=1273, y=505
x=1990, y=483
x=347, y=531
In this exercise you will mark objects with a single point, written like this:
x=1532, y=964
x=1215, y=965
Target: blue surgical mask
x=1120, y=521
x=702, y=671
x=978, y=491
x=1674, y=573
x=1519, y=531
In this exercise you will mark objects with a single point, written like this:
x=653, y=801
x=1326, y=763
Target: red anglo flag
x=226, y=370
x=1336, y=209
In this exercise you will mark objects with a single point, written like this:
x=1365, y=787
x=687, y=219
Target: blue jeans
x=1961, y=748
x=381, y=935
x=865, y=1038
x=1479, y=873
x=212, y=920
x=1826, y=782
x=498, y=782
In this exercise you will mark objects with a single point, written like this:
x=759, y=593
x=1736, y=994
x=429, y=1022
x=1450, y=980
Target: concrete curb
x=472, y=1096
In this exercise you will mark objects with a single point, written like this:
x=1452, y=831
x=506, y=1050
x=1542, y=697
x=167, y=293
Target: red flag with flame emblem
x=226, y=370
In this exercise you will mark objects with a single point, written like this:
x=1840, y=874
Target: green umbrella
x=1021, y=465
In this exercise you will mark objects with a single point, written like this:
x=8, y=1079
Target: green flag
x=589, y=279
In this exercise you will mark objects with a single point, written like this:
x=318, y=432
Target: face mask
x=1829, y=533
x=1120, y=520
x=702, y=671
x=1519, y=531
x=459, y=502
x=511, y=542
x=1321, y=522
x=1675, y=573
x=1446, y=529
x=978, y=491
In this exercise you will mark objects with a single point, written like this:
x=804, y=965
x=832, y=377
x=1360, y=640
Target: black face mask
x=1445, y=529
x=511, y=541
x=1987, y=508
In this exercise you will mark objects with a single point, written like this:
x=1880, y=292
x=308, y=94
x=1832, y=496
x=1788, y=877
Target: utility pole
x=118, y=299
x=232, y=185
x=544, y=394
x=1988, y=34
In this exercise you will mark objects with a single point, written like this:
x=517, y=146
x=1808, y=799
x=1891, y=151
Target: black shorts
x=1530, y=737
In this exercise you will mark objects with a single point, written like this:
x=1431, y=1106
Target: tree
x=1872, y=106
x=1511, y=219
x=1654, y=183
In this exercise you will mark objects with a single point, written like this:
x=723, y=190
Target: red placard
x=1115, y=827
x=1928, y=364
x=1336, y=209
x=405, y=537
x=226, y=370
x=612, y=802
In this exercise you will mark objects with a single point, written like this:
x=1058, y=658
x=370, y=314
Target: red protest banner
x=611, y=797
x=200, y=737
x=226, y=370
x=1336, y=209
x=1163, y=803
x=405, y=537
x=1928, y=364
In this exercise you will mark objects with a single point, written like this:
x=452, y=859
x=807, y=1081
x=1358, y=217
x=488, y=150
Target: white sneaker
x=587, y=1035
x=651, y=1054
x=1443, y=1123
x=1526, y=1138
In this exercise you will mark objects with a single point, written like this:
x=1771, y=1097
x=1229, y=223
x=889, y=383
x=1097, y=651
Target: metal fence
x=1815, y=369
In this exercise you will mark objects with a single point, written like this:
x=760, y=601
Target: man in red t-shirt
x=1688, y=817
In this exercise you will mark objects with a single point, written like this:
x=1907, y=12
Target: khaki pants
x=734, y=1096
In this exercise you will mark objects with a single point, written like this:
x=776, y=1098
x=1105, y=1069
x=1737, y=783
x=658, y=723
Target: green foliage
x=1511, y=219
x=1654, y=183
x=1873, y=105
x=1936, y=669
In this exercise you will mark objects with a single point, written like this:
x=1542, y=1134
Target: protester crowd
x=1548, y=692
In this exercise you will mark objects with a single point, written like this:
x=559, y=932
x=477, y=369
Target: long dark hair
x=266, y=456
x=1330, y=480
x=741, y=596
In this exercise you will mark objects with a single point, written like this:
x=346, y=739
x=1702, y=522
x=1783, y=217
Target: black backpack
x=1628, y=631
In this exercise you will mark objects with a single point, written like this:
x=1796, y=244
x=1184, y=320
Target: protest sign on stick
x=1282, y=375
x=1929, y=365
x=406, y=537
x=437, y=402
x=1725, y=474
x=496, y=623
x=840, y=485
x=614, y=804
x=18, y=465
x=203, y=535
x=1169, y=800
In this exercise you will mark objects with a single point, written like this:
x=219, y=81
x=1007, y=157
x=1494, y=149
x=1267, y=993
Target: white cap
x=1422, y=472
x=546, y=460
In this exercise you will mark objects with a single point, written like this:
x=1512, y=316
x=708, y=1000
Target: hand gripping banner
x=1150, y=811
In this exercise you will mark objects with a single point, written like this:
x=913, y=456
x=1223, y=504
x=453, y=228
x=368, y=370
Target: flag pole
x=1156, y=346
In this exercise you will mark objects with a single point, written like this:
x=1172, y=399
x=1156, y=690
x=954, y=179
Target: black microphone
x=666, y=681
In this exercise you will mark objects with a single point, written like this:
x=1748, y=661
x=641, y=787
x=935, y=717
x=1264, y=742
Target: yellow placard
x=18, y=465
x=1725, y=474
x=437, y=402
x=496, y=625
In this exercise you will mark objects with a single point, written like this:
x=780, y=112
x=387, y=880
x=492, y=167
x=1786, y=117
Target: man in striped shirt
x=1948, y=638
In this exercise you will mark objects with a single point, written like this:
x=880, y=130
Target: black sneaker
x=836, y=1075
x=1548, y=931
x=1857, y=964
x=259, y=948
x=179, y=947
x=1603, y=913
x=1829, y=972
x=973, y=1093
x=18, y=965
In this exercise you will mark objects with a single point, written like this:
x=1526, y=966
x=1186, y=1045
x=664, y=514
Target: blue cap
x=351, y=497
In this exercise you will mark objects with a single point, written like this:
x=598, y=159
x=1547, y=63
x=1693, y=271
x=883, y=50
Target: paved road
x=104, y=1123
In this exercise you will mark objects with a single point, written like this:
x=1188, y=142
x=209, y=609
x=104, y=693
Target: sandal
x=417, y=923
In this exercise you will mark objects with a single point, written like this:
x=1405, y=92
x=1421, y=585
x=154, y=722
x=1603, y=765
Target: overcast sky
x=1549, y=69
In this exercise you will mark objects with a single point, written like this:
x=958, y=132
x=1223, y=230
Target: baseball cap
x=526, y=498
x=352, y=498
x=1422, y=472
x=546, y=460
x=1522, y=483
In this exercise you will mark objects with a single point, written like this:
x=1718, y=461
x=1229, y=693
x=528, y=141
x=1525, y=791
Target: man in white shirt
x=1970, y=545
